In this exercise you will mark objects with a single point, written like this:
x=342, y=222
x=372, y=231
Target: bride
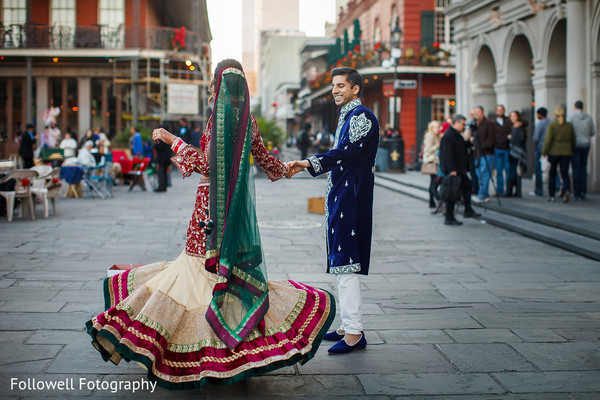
x=211, y=316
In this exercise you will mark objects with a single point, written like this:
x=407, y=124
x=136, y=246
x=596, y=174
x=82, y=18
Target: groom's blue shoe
x=342, y=347
x=333, y=336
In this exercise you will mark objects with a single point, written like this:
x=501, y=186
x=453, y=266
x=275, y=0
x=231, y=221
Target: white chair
x=39, y=185
x=23, y=179
x=54, y=188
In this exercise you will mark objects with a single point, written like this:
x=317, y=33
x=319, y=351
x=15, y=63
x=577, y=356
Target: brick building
x=106, y=63
x=424, y=69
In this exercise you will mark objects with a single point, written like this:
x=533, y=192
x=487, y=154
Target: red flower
x=339, y=63
x=356, y=48
x=25, y=182
x=436, y=45
x=377, y=45
x=350, y=54
x=179, y=37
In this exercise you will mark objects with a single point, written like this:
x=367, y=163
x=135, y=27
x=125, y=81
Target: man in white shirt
x=85, y=157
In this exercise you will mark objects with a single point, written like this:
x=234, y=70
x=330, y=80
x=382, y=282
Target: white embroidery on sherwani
x=345, y=269
x=315, y=163
x=360, y=126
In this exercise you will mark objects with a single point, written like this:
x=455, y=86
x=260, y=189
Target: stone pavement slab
x=488, y=357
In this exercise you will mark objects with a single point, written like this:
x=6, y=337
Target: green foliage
x=122, y=138
x=272, y=134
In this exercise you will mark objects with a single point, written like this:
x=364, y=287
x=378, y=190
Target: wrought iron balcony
x=369, y=54
x=31, y=36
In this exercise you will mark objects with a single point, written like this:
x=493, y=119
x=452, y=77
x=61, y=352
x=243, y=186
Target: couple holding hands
x=211, y=316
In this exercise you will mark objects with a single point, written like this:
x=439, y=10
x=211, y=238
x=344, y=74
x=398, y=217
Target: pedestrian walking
x=539, y=135
x=583, y=125
x=28, y=140
x=501, y=148
x=517, y=159
x=484, y=141
x=431, y=147
x=348, y=203
x=163, y=160
x=304, y=140
x=558, y=146
x=454, y=165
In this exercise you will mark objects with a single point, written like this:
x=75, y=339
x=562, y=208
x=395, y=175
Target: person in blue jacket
x=348, y=203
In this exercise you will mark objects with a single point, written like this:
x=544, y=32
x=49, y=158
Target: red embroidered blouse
x=188, y=159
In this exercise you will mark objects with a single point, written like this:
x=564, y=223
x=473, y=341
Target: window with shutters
x=443, y=29
x=14, y=17
x=442, y=107
x=63, y=21
x=112, y=20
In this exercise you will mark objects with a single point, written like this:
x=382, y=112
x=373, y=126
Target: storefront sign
x=182, y=98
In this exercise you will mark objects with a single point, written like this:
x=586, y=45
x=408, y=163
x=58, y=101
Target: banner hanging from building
x=182, y=98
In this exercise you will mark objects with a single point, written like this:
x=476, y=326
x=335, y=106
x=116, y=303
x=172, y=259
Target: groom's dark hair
x=352, y=77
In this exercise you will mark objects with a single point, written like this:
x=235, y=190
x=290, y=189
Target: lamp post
x=396, y=53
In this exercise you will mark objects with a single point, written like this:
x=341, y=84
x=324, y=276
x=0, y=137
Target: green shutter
x=423, y=119
x=427, y=28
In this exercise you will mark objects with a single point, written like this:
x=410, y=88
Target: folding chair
x=98, y=182
x=137, y=175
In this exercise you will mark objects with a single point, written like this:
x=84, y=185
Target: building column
x=41, y=101
x=84, y=104
x=514, y=95
x=28, y=92
x=64, y=96
x=463, y=100
x=594, y=111
x=482, y=95
x=549, y=91
x=104, y=108
x=576, y=55
x=119, y=110
x=10, y=129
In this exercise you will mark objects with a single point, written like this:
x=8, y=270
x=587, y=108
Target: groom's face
x=341, y=90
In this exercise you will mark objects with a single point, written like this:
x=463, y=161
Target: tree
x=272, y=134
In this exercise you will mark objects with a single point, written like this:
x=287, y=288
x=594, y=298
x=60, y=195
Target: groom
x=348, y=202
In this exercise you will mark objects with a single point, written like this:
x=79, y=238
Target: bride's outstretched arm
x=186, y=158
x=274, y=168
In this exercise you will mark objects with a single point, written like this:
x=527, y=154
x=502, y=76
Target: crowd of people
x=93, y=149
x=307, y=141
x=493, y=150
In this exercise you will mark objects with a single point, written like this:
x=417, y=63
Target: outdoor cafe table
x=72, y=175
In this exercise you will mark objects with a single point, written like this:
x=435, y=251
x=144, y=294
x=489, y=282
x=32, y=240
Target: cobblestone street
x=470, y=312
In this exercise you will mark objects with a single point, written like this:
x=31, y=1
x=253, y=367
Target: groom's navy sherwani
x=349, y=198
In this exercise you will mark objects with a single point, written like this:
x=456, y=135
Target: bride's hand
x=164, y=135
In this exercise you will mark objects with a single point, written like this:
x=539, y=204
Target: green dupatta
x=240, y=297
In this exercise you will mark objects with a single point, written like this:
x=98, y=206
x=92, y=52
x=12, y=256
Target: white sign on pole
x=182, y=98
x=405, y=84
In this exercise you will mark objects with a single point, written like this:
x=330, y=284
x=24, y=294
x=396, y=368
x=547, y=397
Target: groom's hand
x=297, y=166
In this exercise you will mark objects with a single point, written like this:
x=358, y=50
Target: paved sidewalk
x=453, y=313
x=585, y=213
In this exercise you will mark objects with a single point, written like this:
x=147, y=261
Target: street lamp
x=396, y=53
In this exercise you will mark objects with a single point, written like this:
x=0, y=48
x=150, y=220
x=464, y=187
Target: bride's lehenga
x=156, y=314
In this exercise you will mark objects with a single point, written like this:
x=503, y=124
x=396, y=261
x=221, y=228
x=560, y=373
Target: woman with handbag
x=431, y=145
x=558, y=147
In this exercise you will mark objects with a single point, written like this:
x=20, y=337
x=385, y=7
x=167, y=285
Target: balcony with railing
x=30, y=36
x=369, y=54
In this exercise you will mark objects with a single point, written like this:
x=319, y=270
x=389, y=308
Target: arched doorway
x=519, y=71
x=556, y=69
x=594, y=110
x=483, y=92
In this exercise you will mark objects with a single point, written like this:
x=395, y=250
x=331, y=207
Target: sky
x=226, y=24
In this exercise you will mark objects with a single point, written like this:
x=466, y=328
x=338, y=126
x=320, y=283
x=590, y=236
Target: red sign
x=388, y=89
